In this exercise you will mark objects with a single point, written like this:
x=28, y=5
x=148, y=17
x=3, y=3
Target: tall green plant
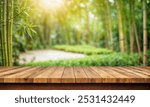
x=10, y=11
x=6, y=29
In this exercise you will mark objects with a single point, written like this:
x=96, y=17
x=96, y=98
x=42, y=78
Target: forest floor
x=46, y=55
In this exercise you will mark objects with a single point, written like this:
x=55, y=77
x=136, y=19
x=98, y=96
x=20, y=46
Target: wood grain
x=75, y=75
x=68, y=75
x=80, y=75
x=93, y=76
x=56, y=76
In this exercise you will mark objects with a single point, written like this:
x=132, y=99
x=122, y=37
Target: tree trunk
x=145, y=32
x=122, y=41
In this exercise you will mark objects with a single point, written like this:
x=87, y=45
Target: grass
x=84, y=49
x=115, y=59
x=95, y=57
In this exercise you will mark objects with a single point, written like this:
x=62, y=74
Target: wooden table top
x=75, y=75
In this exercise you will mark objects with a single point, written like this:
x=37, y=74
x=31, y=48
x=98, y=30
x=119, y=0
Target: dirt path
x=45, y=55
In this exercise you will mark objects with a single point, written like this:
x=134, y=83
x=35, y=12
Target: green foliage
x=23, y=25
x=23, y=31
x=77, y=22
x=84, y=49
x=116, y=59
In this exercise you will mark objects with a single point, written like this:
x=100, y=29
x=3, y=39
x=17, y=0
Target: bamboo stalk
x=5, y=58
x=145, y=32
x=2, y=44
x=124, y=18
x=10, y=29
x=7, y=29
x=6, y=37
x=108, y=25
x=132, y=3
x=122, y=39
x=137, y=39
x=11, y=32
x=1, y=33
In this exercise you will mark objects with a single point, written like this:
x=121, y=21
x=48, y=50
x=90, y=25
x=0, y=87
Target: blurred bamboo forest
x=119, y=26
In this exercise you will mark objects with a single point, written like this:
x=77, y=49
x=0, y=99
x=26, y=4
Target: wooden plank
x=23, y=72
x=80, y=75
x=43, y=77
x=19, y=76
x=119, y=76
x=148, y=69
x=5, y=69
x=106, y=77
x=141, y=70
x=76, y=75
x=25, y=78
x=29, y=77
x=131, y=71
x=13, y=71
x=68, y=75
x=141, y=79
x=132, y=77
x=93, y=76
x=56, y=76
x=85, y=86
x=128, y=74
x=136, y=72
x=102, y=73
x=114, y=73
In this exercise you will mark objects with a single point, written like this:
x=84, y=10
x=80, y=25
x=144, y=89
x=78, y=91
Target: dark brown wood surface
x=76, y=86
x=75, y=75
